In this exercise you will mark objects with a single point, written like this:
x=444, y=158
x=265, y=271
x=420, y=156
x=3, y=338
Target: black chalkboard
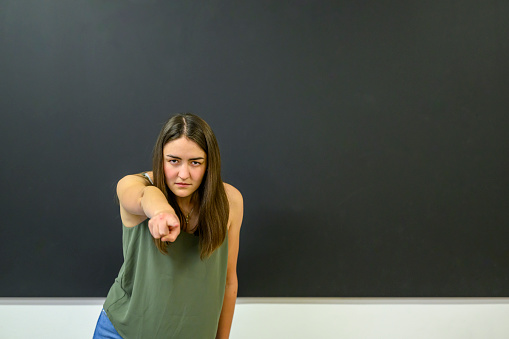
x=369, y=138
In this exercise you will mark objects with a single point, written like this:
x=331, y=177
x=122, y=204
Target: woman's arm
x=230, y=293
x=139, y=201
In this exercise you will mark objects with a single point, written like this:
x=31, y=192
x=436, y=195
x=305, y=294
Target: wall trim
x=320, y=301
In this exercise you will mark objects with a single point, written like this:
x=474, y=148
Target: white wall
x=287, y=318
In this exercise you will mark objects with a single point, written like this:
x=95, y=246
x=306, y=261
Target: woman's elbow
x=232, y=286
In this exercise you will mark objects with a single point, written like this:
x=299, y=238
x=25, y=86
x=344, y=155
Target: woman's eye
x=196, y=163
x=173, y=161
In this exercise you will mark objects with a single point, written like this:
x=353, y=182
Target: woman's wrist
x=168, y=211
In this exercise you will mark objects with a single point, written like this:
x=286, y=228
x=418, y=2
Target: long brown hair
x=211, y=195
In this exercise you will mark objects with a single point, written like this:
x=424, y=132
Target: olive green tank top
x=167, y=296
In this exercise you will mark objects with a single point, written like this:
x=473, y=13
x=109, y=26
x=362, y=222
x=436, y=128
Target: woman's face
x=185, y=164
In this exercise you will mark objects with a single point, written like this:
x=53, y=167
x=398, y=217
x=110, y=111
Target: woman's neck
x=186, y=204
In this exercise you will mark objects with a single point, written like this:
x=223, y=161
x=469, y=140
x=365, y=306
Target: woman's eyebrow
x=174, y=156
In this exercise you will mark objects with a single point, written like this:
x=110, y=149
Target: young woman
x=181, y=227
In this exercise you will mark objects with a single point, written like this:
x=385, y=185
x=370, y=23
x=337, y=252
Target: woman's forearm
x=226, y=318
x=153, y=202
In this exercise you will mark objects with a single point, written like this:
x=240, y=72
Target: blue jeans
x=104, y=328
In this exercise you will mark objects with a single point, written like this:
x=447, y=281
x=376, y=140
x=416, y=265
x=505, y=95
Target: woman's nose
x=184, y=172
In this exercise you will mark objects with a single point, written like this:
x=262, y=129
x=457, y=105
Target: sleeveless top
x=177, y=295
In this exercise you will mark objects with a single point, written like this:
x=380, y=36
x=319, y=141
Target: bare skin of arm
x=230, y=293
x=139, y=201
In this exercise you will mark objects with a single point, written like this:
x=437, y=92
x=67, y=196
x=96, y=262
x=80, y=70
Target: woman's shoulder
x=233, y=194
x=236, y=203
